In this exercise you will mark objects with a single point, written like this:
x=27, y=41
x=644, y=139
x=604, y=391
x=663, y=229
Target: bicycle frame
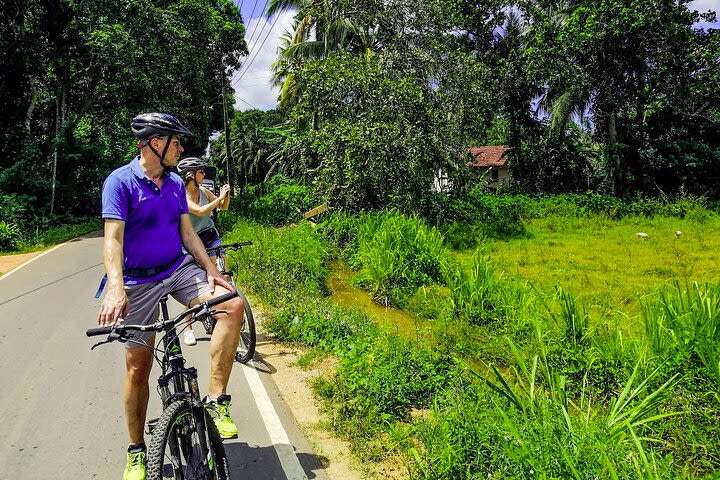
x=173, y=366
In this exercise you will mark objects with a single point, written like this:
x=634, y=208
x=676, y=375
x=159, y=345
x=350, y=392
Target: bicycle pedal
x=151, y=424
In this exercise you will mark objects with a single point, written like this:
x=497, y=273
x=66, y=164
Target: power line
x=256, y=24
x=246, y=102
x=253, y=11
x=258, y=51
x=255, y=49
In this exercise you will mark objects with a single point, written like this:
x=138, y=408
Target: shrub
x=341, y=230
x=321, y=324
x=9, y=236
x=283, y=264
x=379, y=383
x=471, y=291
x=397, y=254
x=462, y=236
x=278, y=202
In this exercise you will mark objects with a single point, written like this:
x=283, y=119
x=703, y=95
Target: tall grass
x=683, y=325
x=397, y=254
x=472, y=290
x=525, y=425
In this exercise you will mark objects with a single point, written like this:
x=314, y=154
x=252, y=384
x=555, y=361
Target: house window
x=495, y=175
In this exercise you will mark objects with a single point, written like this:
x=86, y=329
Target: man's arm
x=115, y=304
x=194, y=245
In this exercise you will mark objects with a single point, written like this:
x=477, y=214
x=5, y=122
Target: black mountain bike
x=185, y=443
x=246, y=345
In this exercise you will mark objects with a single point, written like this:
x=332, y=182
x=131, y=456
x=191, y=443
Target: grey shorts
x=186, y=283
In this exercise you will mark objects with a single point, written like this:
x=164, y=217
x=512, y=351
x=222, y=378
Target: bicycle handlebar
x=159, y=326
x=231, y=246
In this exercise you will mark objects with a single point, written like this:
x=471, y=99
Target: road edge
x=30, y=260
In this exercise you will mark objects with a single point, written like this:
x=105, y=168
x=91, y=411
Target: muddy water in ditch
x=349, y=296
x=395, y=320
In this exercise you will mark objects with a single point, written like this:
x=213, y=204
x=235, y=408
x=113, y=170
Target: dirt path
x=9, y=262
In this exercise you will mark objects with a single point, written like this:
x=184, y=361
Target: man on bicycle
x=146, y=226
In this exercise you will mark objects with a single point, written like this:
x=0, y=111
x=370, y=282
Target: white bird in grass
x=642, y=235
x=678, y=233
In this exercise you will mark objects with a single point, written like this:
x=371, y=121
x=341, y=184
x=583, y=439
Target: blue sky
x=252, y=83
x=253, y=86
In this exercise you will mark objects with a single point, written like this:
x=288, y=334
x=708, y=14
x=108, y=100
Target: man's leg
x=190, y=287
x=144, y=300
x=224, y=340
x=138, y=362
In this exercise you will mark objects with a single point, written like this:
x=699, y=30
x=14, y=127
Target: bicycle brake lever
x=113, y=336
x=215, y=312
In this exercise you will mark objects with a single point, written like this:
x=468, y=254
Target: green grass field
x=604, y=262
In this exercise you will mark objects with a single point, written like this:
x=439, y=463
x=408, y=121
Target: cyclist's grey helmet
x=147, y=126
x=151, y=125
x=190, y=164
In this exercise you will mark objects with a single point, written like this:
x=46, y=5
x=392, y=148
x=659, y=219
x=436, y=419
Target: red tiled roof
x=489, y=156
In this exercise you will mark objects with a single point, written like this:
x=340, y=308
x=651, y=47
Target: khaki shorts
x=186, y=283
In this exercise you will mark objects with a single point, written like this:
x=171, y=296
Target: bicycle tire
x=248, y=338
x=176, y=440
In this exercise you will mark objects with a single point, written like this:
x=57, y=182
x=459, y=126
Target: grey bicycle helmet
x=147, y=126
x=151, y=125
x=190, y=164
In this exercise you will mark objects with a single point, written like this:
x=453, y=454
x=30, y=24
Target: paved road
x=60, y=403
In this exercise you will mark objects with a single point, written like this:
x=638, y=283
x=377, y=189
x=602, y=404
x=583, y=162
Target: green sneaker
x=135, y=468
x=219, y=413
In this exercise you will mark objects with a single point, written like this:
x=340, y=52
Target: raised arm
x=115, y=304
x=224, y=197
x=204, y=210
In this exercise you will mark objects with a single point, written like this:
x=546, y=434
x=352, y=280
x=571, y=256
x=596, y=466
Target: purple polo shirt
x=151, y=215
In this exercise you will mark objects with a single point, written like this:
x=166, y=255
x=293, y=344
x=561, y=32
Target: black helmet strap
x=161, y=157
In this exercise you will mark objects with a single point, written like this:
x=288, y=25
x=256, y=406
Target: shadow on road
x=262, y=463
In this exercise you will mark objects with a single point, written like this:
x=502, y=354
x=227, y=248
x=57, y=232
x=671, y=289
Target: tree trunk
x=31, y=107
x=60, y=116
x=55, y=151
x=614, y=158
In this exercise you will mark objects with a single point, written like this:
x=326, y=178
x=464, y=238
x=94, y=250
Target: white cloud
x=255, y=87
x=705, y=5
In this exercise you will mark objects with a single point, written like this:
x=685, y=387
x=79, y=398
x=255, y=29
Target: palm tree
x=332, y=32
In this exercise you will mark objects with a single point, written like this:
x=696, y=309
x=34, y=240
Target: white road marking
x=2, y=277
x=278, y=435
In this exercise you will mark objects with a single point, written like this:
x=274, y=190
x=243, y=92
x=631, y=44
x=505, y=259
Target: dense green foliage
x=74, y=75
x=379, y=98
x=396, y=255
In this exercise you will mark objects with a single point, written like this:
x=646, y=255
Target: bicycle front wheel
x=246, y=345
x=184, y=447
